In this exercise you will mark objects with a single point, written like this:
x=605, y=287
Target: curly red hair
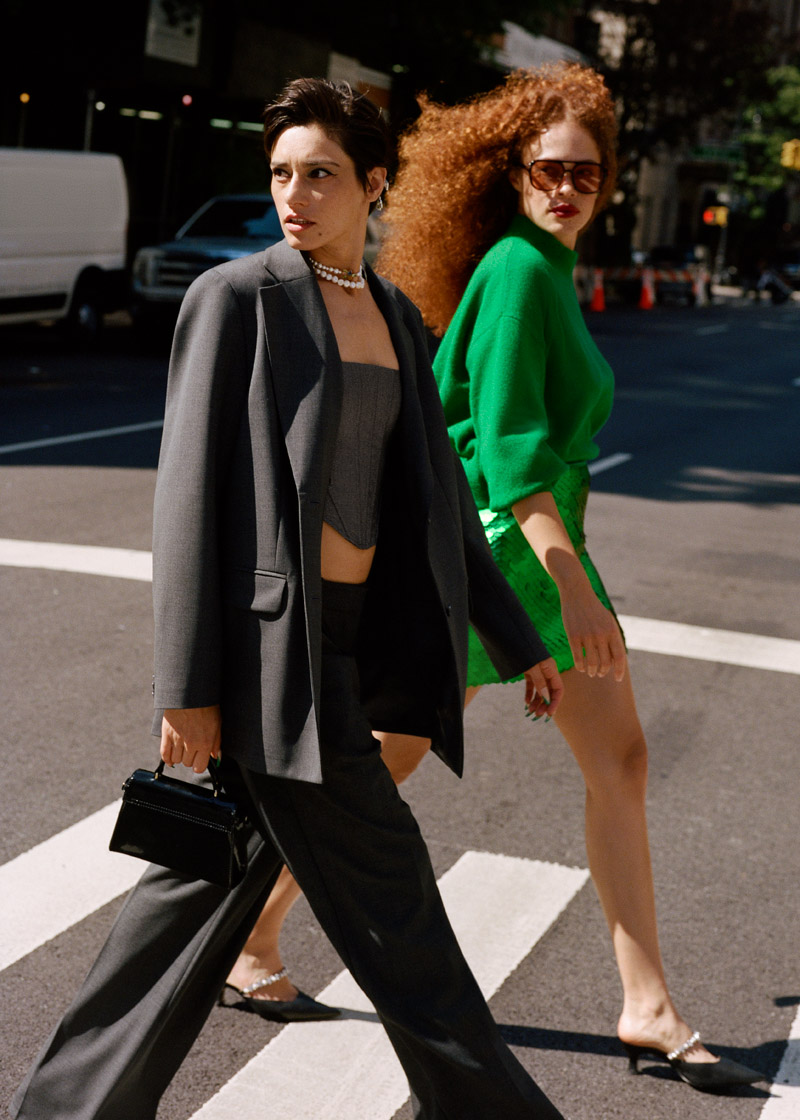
x=453, y=199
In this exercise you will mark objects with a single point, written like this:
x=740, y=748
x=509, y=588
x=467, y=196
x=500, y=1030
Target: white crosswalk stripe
x=49, y=888
x=704, y=643
x=499, y=907
x=784, y=1104
x=122, y=563
x=650, y=635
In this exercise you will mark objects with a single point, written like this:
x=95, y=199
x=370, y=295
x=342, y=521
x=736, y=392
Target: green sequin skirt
x=533, y=586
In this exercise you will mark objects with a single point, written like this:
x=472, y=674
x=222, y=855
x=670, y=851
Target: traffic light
x=790, y=154
x=715, y=215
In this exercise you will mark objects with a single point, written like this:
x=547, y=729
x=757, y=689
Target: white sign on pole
x=173, y=31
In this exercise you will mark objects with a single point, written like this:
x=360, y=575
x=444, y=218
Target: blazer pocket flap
x=263, y=592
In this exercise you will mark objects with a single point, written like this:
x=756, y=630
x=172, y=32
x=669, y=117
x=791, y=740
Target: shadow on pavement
x=51, y=393
x=707, y=403
x=765, y=1057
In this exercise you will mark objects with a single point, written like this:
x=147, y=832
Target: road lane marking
x=600, y=465
x=716, y=328
x=784, y=1104
x=79, y=437
x=123, y=563
x=60, y=882
x=87, y=876
x=648, y=635
x=499, y=906
x=701, y=643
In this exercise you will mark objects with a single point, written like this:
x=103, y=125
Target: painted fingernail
x=547, y=719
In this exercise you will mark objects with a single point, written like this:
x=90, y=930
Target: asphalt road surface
x=694, y=521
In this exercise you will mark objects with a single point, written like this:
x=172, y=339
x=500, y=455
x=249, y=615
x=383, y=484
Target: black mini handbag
x=189, y=828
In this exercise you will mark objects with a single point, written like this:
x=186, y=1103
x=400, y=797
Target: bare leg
x=470, y=694
x=261, y=956
x=401, y=754
x=598, y=718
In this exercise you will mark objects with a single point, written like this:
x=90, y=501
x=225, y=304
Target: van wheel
x=85, y=318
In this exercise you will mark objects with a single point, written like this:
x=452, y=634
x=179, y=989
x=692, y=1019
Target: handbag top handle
x=159, y=770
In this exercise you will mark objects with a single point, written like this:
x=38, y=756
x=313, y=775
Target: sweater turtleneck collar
x=550, y=247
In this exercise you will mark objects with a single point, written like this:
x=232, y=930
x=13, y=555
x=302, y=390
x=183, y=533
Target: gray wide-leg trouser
x=355, y=849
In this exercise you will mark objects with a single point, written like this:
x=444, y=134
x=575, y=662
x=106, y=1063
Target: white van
x=63, y=230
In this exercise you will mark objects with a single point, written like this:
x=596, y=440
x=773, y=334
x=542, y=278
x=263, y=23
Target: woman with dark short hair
x=317, y=560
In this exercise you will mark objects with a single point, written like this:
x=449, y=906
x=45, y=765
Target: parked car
x=224, y=228
x=63, y=229
x=788, y=265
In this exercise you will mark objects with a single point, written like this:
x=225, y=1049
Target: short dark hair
x=346, y=116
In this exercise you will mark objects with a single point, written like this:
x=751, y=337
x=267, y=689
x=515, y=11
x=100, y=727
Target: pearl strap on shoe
x=680, y=1050
x=265, y=981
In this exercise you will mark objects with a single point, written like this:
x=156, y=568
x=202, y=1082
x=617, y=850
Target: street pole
x=23, y=115
x=89, y=120
x=722, y=249
x=173, y=124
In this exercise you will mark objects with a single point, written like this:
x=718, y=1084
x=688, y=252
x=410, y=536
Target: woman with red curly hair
x=488, y=255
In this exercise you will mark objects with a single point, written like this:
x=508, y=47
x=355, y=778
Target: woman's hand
x=543, y=689
x=593, y=633
x=191, y=736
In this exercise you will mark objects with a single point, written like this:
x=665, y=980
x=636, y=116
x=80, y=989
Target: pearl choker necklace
x=341, y=276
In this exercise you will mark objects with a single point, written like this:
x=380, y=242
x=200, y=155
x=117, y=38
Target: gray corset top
x=370, y=407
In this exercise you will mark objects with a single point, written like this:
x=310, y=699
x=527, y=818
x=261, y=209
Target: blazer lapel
x=306, y=369
x=411, y=422
x=307, y=382
x=307, y=375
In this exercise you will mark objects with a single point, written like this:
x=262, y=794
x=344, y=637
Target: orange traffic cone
x=647, y=298
x=598, y=302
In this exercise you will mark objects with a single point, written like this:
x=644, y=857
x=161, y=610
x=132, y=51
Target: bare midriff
x=342, y=562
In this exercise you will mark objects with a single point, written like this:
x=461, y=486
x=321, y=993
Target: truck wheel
x=85, y=319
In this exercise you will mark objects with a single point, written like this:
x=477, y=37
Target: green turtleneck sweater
x=524, y=387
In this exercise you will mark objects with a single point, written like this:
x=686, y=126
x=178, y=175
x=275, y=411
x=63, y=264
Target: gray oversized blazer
x=252, y=411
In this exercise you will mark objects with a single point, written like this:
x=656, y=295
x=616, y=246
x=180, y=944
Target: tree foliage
x=674, y=63
x=674, y=66
x=769, y=123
